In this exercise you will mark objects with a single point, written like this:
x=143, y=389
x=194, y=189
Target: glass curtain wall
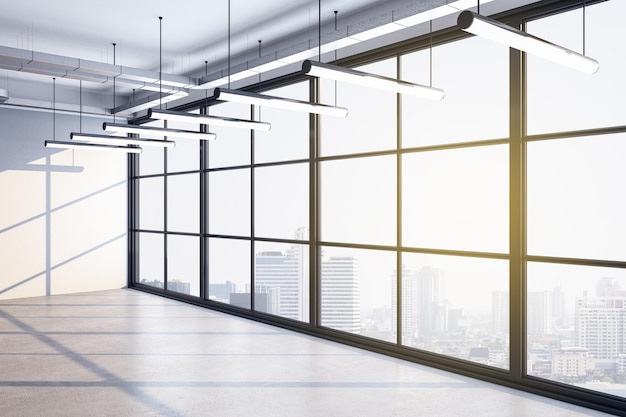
x=576, y=241
x=474, y=233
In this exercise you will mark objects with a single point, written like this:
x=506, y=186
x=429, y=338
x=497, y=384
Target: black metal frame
x=516, y=376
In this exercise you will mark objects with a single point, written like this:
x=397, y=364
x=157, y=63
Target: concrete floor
x=126, y=353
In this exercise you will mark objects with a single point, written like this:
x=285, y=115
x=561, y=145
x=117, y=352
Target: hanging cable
x=114, y=77
x=584, y=25
x=260, y=71
x=229, y=44
x=80, y=108
x=431, y=54
x=336, y=12
x=319, y=30
x=54, y=109
x=259, y=79
x=206, y=73
x=160, y=62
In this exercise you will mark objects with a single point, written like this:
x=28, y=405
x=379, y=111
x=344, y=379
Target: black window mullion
x=252, y=207
x=165, y=214
x=315, y=288
x=204, y=243
x=517, y=366
x=399, y=154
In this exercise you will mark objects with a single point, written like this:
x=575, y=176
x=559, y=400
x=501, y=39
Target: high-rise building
x=341, y=298
x=601, y=323
x=500, y=311
x=284, y=274
x=559, y=311
x=431, y=309
x=539, y=316
x=423, y=310
x=409, y=306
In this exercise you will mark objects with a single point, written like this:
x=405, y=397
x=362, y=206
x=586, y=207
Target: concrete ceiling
x=193, y=31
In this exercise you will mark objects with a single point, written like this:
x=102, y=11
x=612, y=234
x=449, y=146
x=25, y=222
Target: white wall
x=62, y=212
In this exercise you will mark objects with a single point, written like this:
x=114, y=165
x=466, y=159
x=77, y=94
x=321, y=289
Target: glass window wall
x=447, y=232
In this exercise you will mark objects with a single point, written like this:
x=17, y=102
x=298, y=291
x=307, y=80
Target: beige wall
x=62, y=212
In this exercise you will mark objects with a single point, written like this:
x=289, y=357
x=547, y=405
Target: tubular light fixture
x=278, y=102
x=116, y=140
x=499, y=32
x=271, y=101
x=334, y=72
x=157, y=131
x=80, y=145
x=90, y=146
x=212, y=120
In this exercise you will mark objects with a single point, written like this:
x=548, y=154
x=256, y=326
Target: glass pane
x=289, y=137
x=371, y=121
x=554, y=104
x=476, y=104
x=356, y=291
x=151, y=196
x=576, y=325
x=183, y=264
x=282, y=280
x=281, y=201
x=359, y=200
x=183, y=203
x=185, y=156
x=575, y=206
x=232, y=145
x=456, y=199
x=456, y=307
x=229, y=202
x=151, y=261
x=229, y=271
x=151, y=158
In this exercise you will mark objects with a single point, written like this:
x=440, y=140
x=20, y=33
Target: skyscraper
x=341, y=298
x=285, y=275
x=409, y=306
x=431, y=309
x=601, y=323
x=539, y=314
x=500, y=311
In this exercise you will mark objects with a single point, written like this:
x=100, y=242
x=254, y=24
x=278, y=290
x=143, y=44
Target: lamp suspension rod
x=319, y=30
x=54, y=109
x=260, y=41
x=114, y=77
x=584, y=25
x=430, y=52
x=336, y=11
x=160, y=62
x=228, y=43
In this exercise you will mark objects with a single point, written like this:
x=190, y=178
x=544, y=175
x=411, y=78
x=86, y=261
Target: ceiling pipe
x=48, y=64
x=365, y=27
